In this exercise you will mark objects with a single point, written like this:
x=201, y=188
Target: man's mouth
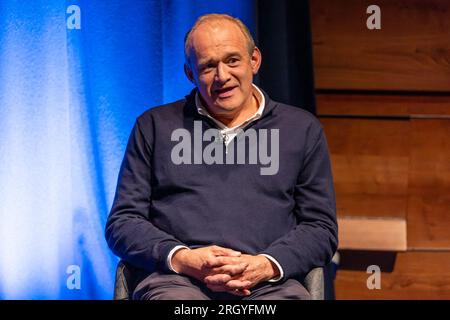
x=224, y=92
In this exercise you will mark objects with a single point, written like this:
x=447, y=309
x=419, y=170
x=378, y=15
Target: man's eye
x=206, y=68
x=233, y=61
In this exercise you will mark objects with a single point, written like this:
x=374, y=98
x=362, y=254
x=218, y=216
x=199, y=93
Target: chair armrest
x=123, y=282
x=315, y=283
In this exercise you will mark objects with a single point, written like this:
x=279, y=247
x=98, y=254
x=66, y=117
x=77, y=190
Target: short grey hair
x=213, y=17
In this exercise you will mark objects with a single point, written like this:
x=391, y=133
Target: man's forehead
x=222, y=30
x=224, y=36
x=223, y=52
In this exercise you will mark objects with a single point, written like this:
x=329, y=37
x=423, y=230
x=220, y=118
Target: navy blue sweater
x=289, y=215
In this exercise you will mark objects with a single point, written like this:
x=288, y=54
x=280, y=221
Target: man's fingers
x=220, y=251
x=238, y=284
x=225, y=280
x=231, y=269
x=222, y=260
x=243, y=292
x=217, y=279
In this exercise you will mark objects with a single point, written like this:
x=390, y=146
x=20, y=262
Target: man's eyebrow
x=233, y=54
x=204, y=62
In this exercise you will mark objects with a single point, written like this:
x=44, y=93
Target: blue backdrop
x=74, y=75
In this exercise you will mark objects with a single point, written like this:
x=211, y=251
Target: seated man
x=225, y=194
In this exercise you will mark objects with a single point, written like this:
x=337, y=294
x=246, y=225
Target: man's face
x=221, y=67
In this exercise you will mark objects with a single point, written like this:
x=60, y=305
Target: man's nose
x=222, y=73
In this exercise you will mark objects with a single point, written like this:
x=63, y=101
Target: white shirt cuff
x=171, y=253
x=280, y=269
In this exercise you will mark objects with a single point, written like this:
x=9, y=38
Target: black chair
x=127, y=277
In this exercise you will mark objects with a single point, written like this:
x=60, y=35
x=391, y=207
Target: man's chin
x=225, y=108
x=228, y=104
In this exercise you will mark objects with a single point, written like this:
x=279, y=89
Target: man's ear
x=256, y=60
x=188, y=73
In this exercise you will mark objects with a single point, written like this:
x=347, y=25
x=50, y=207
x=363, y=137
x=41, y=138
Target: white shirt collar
x=259, y=96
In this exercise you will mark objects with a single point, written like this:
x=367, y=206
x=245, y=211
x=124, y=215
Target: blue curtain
x=74, y=75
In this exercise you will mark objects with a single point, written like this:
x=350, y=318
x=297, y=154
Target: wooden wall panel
x=384, y=101
x=382, y=105
x=416, y=275
x=429, y=185
x=393, y=168
x=370, y=161
x=411, y=51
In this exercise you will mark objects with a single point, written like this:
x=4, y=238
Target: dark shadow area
x=284, y=37
x=360, y=260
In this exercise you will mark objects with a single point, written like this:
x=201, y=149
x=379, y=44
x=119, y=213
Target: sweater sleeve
x=129, y=231
x=313, y=241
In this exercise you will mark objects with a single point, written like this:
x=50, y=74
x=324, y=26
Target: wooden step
x=378, y=234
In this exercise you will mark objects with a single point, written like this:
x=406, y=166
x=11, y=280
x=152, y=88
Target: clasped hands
x=223, y=269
